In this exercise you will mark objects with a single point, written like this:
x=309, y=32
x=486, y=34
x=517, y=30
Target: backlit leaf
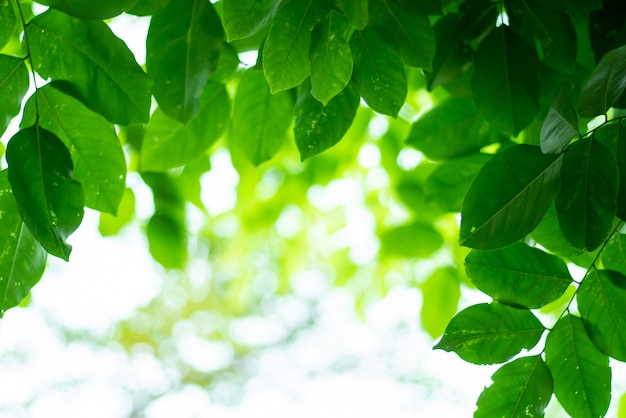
x=561, y=123
x=8, y=22
x=244, y=18
x=111, y=225
x=91, y=9
x=410, y=240
x=356, y=12
x=441, y=293
x=614, y=254
x=606, y=84
x=167, y=241
x=13, y=85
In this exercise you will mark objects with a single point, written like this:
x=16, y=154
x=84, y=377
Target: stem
x=29, y=58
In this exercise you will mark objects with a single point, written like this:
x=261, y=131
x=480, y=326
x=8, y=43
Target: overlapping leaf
x=614, y=254
x=243, y=19
x=91, y=9
x=8, y=22
x=548, y=234
x=606, y=84
x=13, y=85
x=356, y=11
x=561, y=122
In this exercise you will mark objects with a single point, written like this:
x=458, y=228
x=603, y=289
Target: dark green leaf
x=606, y=84
x=13, y=85
x=440, y=293
x=620, y=134
x=548, y=234
x=148, y=7
x=48, y=199
x=509, y=197
x=518, y=275
x=167, y=241
x=561, y=123
x=491, y=333
x=581, y=373
x=91, y=9
x=378, y=71
x=8, y=23
x=318, y=127
x=574, y=6
x=244, y=18
x=99, y=65
x=586, y=203
x=411, y=240
x=506, y=83
x=227, y=64
x=614, y=254
x=168, y=143
x=183, y=47
x=521, y=388
x=22, y=260
x=356, y=11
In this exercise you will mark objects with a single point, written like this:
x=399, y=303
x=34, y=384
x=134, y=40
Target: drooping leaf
x=168, y=143
x=8, y=22
x=581, y=373
x=111, y=225
x=356, y=11
x=260, y=118
x=91, y=9
x=100, y=67
x=452, y=129
x=586, y=203
x=561, y=123
x=614, y=254
x=606, y=84
x=13, y=85
x=491, y=333
x=286, y=51
x=99, y=162
x=318, y=127
x=509, y=197
x=167, y=241
x=414, y=239
x=183, y=47
x=244, y=18
x=49, y=200
x=441, y=293
x=518, y=275
x=22, y=260
x=378, y=72
x=505, y=84
x=521, y=388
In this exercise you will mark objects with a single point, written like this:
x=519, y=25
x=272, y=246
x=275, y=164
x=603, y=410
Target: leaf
x=226, y=66
x=621, y=166
x=99, y=66
x=167, y=241
x=91, y=9
x=581, y=373
x=318, y=127
x=148, y=7
x=244, y=18
x=286, y=51
x=606, y=84
x=509, y=197
x=586, y=203
x=8, y=22
x=411, y=31
x=490, y=333
x=111, y=225
x=356, y=11
x=451, y=129
x=13, y=85
x=518, y=275
x=548, y=234
x=414, y=239
x=168, y=143
x=260, y=119
x=561, y=123
x=614, y=254
x=97, y=155
x=331, y=60
x=49, y=200
x=600, y=299
x=575, y=6
x=440, y=293
x=505, y=84
x=183, y=47
x=378, y=72
x=22, y=260
x=521, y=388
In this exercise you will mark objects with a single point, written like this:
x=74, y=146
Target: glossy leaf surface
x=606, y=84
x=244, y=18
x=561, y=123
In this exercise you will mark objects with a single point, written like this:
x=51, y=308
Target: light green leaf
x=509, y=197
x=244, y=18
x=440, y=293
x=8, y=22
x=49, y=200
x=99, y=162
x=101, y=69
x=378, y=72
x=561, y=123
x=111, y=225
x=506, y=84
x=606, y=84
x=491, y=333
x=286, y=52
x=91, y=9
x=521, y=388
x=22, y=260
x=13, y=85
x=614, y=254
x=356, y=11
x=167, y=241
x=586, y=203
x=518, y=275
x=260, y=118
x=168, y=143
x=183, y=47
x=581, y=373
x=414, y=239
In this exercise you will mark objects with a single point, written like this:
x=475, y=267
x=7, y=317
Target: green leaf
x=13, y=85
x=167, y=241
x=491, y=333
x=8, y=22
x=506, y=84
x=356, y=11
x=606, y=84
x=22, y=260
x=183, y=47
x=614, y=254
x=620, y=135
x=586, y=203
x=286, y=51
x=227, y=65
x=100, y=67
x=111, y=225
x=168, y=143
x=574, y=6
x=91, y=9
x=49, y=200
x=415, y=239
x=548, y=234
x=99, y=163
x=331, y=60
x=244, y=18
x=600, y=299
x=581, y=373
x=518, y=275
x=509, y=197
x=148, y=7
x=440, y=293
x=318, y=127
x=260, y=119
x=411, y=31
x=521, y=388
x=452, y=129
x=378, y=72
x=561, y=123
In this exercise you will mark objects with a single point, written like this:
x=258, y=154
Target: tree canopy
x=513, y=109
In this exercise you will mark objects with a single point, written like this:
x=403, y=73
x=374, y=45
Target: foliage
x=515, y=105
